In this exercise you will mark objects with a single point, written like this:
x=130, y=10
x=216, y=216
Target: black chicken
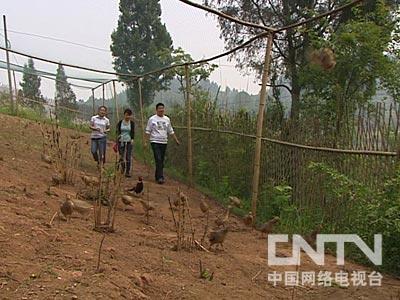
x=138, y=189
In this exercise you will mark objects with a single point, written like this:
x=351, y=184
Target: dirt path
x=37, y=262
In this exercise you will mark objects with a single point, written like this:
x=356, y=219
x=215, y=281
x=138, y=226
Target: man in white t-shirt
x=157, y=130
x=100, y=126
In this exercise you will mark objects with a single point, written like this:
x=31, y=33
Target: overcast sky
x=91, y=22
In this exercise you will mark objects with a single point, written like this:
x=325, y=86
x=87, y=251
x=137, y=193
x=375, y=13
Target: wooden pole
x=189, y=125
x=115, y=101
x=93, y=104
x=16, y=92
x=103, y=94
x=260, y=122
x=8, y=65
x=142, y=116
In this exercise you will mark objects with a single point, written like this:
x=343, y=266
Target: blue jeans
x=159, y=157
x=98, y=149
x=125, y=156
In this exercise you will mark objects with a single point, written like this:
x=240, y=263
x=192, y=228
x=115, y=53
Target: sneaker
x=160, y=181
x=128, y=175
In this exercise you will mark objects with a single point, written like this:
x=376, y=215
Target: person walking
x=100, y=126
x=125, y=136
x=157, y=130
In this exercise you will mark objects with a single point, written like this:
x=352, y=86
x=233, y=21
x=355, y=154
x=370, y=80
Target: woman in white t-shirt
x=100, y=126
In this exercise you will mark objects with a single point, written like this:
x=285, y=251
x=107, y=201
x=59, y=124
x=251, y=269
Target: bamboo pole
x=103, y=94
x=189, y=125
x=260, y=122
x=93, y=104
x=15, y=92
x=8, y=65
x=142, y=116
x=115, y=101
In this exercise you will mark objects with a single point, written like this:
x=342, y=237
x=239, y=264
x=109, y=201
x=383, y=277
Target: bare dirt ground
x=38, y=262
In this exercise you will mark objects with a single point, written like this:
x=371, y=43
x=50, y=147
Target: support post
x=103, y=94
x=115, y=102
x=189, y=125
x=142, y=125
x=260, y=122
x=8, y=65
x=93, y=104
x=15, y=92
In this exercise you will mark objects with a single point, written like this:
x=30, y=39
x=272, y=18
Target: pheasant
x=310, y=239
x=138, y=189
x=222, y=221
x=218, y=237
x=204, y=206
x=127, y=200
x=67, y=207
x=235, y=201
x=248, y=219
x=268, y=227
x=90, y=180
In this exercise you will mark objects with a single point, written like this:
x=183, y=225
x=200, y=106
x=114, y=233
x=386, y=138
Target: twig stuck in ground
x=255, y=276
x=201, y=246
x=52, y=218
x=98, y=258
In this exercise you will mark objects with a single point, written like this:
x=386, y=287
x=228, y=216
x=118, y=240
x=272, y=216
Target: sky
x=91, y=22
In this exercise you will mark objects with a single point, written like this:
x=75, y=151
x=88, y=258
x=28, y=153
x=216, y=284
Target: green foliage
x=141, y=43
x=367, y=212
x=65, y=97
x=31, y=87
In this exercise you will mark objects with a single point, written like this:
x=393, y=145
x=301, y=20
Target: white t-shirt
x=99, y=122
x=159, y=128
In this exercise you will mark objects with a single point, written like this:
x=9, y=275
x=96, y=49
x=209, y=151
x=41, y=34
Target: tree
x=290, y=61
x=65, y=96
x=197, y=73
x=31, y=87
x=141, y=43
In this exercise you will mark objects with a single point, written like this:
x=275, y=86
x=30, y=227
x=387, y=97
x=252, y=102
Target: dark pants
x=98, y=149
x=159, y=156
x=125, y=156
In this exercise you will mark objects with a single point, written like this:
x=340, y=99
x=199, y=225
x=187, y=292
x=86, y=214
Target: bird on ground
x=248, y=219
x=82, y=207
x=218, y=237
x=46, y=158
x=57, y=179
x=222, y=221
x=204, y=206
x=311, y=238
x=147, y=206
x=90, y=180
x=138, y=188
x=127, y=200
x=268, y=227
x=67, y=207
x=235, y=201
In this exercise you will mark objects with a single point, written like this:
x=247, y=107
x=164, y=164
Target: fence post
x=93, y=104
x=115, y=101
x=189, y=125
x=260, y=122
x=8, y=65
x=103, y=94
x=142, y=117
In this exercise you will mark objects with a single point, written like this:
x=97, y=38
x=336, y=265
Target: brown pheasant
x=248, y=219
x=204, y=206
x=127, y=200
x=311, y=238
x=222, y=221
x=218, y=237
x=268, y=227
x=235, y=201
x=67, y=207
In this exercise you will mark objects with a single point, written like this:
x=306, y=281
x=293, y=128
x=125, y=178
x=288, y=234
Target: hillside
x=137, y=261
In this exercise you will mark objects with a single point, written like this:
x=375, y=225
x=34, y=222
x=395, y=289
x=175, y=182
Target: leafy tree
x=31, y=87
x=291, y=48
x=65, y=96
x=197, y=73
x=141, y=43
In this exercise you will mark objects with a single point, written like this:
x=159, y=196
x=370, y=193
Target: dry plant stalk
x=205, y=228
x=99, y=256
x=183, y=242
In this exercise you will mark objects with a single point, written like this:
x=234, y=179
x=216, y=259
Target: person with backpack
x=125, y=136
